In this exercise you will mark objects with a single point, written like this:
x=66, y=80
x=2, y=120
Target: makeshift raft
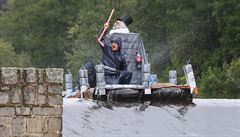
x=140, y=86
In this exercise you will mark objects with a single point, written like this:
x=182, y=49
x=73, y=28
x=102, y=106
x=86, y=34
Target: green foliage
x=81, y=55
x=7, y=55
x=38, y=28
x=8, y=58
x=62, y=33
x=227, y=14
x=221, y=83
x=213, y=83
x=23, y=60
x=233, y=76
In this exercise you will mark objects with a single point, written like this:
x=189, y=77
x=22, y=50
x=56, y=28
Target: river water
x=203, y=118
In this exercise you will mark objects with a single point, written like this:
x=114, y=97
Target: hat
x=127, y=19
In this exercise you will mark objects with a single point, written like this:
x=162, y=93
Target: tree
x=223, y=82
x=7, y=54
x=227, y=14
x=62, y=33
x=39, y=28
x=8, y=58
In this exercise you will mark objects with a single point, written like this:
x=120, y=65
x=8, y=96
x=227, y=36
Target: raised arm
x=102, y=33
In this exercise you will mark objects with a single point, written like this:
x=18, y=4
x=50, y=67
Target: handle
x=109, y=18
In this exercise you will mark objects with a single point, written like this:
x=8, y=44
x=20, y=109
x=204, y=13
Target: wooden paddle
x=105, y=29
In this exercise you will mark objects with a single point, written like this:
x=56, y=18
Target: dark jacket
x=114, y=59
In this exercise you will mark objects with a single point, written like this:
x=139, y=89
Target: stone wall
x=31, y=102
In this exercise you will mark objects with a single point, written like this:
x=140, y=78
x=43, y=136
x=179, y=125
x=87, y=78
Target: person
x=120, y=26
x=113, y=58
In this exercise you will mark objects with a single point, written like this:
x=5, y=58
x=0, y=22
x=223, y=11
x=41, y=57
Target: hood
x=118, y=40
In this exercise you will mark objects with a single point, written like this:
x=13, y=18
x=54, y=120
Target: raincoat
x=115, y=59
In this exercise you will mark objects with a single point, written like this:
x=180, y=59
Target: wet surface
x=203, y=118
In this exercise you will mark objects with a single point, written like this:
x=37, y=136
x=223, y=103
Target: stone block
x=18, y=125
x=4, y=98
x=41, y=89
x=32, y=135
x=53, y=134
x=5, y=126
x=31, y=75
x=35, y=125
x=41, y=99
x=9, y=75
x=55, y=89
x=47, y=111
x=40, y=75
x=55, y=100
x=29, y=94
x=7, y=111
x=54, y=75
x=54, y=124
x=23, y=111
x=16, y=95
x=4, y=121
x=21, y=76
x=5, y=88
x=5, y=132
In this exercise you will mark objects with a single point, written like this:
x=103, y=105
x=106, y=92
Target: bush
x=7, y=54
x=221, y=82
